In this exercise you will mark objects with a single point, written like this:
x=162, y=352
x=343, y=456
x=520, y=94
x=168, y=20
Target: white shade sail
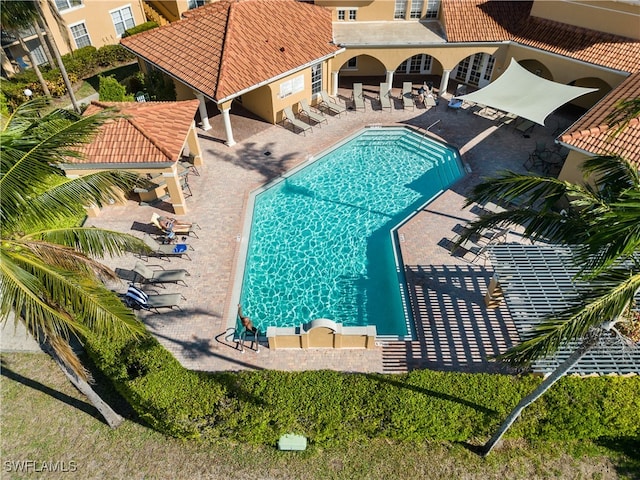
x=522, y=93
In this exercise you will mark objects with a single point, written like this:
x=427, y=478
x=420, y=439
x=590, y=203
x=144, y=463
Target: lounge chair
x=299, y=124
x=177, y=229
x=328, y=104
x=525, y=126
x=137, y=299
x=165, y=251
x=385, y=96
x=407, y=95
x=305, y=110
x=158, y=275
x=358, y=98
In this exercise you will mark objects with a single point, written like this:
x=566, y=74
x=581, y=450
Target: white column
x=227, y=127
x=202, y=108
x=334, y=83
x=444, y=82
x=390, y=78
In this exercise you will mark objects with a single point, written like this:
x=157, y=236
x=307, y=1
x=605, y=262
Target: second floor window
x=416, y=9
x=432, y=8
x=195, y=4
x=122, y=20
x=400, y=11
x=342, y=14
x=63, y=5
x=80, y=35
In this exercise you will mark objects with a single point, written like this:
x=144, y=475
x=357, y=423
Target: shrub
x=143, y=27
x=134, y=83
x=112, y=55
x=160, y=87
x=82, y=62
x=333, y=407
x=111, y=90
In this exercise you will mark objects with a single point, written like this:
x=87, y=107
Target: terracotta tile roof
x=491, y=21
x=591, y=133
x=511, y=20
x=228, y=46
x=591, y=46
x=151, y=132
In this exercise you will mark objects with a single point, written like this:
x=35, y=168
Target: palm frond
x=66, y=354
x=81, y=301
x=80, y=241
x=606, y=299
x=612, y=174
x=66, y=198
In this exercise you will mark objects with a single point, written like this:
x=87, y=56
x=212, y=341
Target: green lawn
x=45, y=419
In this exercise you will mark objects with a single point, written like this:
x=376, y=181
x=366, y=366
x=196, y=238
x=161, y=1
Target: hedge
x=332, y=407
x=143, y=27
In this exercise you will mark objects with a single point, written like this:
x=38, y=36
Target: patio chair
x=538, y=157
x=407, y=95
x=177, y=229
x=138, y=299
x=305, y=109
x=328, y=104
x=358, y=98
x=289, y=117
x=385, y=96
x=158, y=275
x=165, y=251
x=525, y=126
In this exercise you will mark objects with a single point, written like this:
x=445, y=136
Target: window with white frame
x=37, y=51
x=80, y=35
x=316, y=78
x=416, y=9
x=347, y=13
x=416, y=64
x=400, y=11
x=63, y=5
x=195, y=4
x=122, y=19
x=433, y=6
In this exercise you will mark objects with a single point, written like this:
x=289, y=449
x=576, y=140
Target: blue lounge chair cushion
x=180, y=248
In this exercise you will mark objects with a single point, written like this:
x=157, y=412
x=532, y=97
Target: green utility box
x=292, y=442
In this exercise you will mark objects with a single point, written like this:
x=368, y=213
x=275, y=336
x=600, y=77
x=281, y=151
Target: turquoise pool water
x=322, y=242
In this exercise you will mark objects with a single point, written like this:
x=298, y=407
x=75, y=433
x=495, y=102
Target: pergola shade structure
x=539, y=280
x=524, y=94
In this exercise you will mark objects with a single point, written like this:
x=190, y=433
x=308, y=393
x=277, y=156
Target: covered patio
x=157, y=140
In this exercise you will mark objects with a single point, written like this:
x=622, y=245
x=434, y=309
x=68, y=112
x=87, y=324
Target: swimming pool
x=322, y=241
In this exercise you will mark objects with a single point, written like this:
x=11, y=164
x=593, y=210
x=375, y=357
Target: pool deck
x=455, y=331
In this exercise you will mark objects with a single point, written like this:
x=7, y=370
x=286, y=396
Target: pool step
x=411, y=144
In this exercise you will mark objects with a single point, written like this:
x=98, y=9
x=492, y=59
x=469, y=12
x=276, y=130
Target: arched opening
x=537, y=68
x=418, y=69
x=589, y=100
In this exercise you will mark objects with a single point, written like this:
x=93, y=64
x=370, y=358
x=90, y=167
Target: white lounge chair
x=328, y=104
x=358, y=98
x=385, y=96
x=305, y=110
x=290, y=117
x=407, y=95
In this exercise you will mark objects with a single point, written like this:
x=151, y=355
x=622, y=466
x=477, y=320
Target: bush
x=134, y=83
x=160, y=87
x=332, y=407
x=82, y=62
x=143, y=27
x=112, y=55
x=112, y=91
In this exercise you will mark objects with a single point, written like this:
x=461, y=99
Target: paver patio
x=455, y=331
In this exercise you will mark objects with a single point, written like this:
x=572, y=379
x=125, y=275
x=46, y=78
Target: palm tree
x=49, y=276
x=600, y=223
x=20, y=14
x=14, y=18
